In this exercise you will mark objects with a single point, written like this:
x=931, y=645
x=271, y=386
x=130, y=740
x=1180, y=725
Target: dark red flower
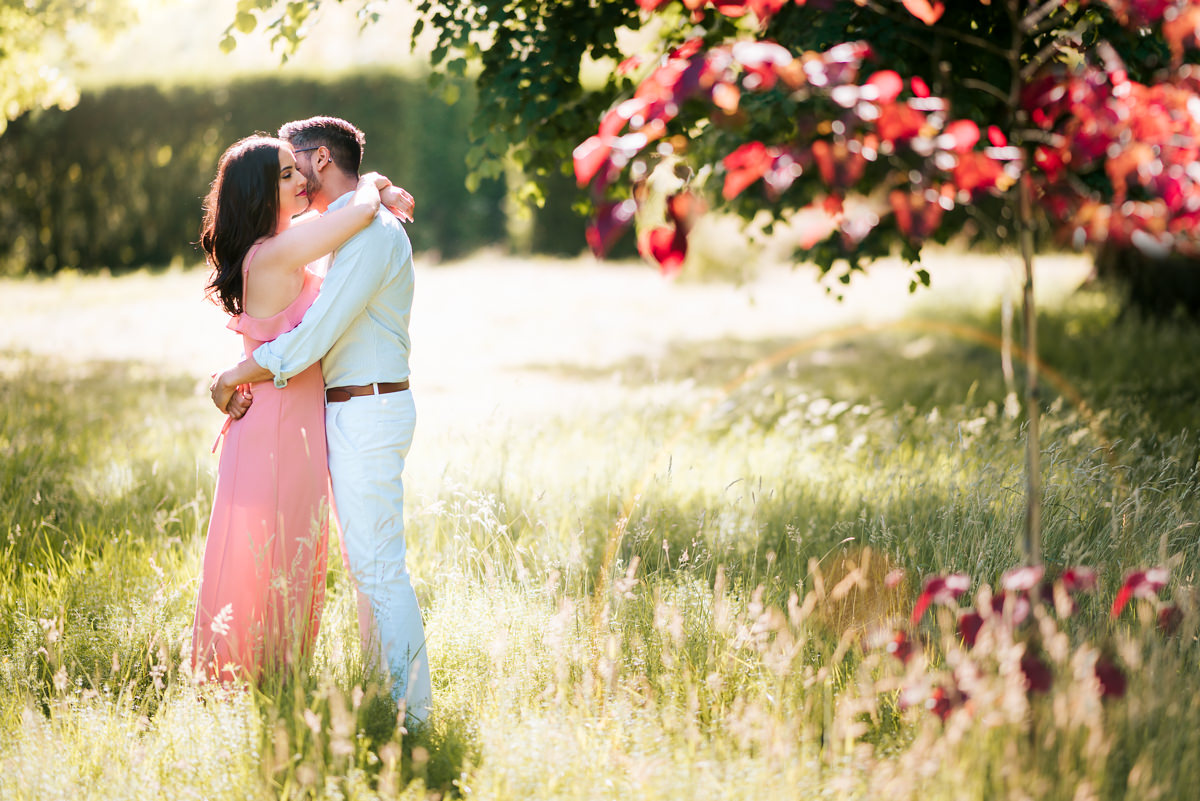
x=969, y=625
x=1169, y=618
x=1037, y=673
x=1112, y=679
x=939, y=703
x=900, y=647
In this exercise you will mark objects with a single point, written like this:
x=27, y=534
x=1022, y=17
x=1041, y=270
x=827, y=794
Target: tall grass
x=684, y=597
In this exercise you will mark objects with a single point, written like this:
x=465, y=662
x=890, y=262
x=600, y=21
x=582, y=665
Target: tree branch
x=907, y=20
x=1035, y=17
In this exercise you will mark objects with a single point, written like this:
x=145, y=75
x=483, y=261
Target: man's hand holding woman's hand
x=230, y=398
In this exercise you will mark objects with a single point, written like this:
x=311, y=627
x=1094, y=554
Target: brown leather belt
x=339, y=394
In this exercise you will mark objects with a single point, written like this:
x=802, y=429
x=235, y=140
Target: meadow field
x=664, y=535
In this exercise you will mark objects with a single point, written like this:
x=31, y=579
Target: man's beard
x=312, y=186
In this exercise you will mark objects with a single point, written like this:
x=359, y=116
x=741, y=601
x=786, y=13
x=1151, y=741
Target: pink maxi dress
x=262, y=585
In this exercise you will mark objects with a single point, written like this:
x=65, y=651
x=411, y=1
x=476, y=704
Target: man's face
x=304, y=163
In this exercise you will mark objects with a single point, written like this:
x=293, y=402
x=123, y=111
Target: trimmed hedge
x=117, y=182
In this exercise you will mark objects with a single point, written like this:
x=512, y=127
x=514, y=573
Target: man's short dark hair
x=345, y=142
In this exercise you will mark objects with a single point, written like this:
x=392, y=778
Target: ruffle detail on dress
x=264, y=329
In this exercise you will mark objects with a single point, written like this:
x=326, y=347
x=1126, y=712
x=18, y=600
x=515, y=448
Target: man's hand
x=398, y=202
x=228, y=397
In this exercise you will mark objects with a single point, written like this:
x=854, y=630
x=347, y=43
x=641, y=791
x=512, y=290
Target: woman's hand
x=381, y=181
x=398, y=202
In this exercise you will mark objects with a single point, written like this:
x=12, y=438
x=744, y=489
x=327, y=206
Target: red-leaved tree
x=1076, y=119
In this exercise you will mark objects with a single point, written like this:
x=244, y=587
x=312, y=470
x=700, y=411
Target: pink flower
x=1022, y=579
x=1078, y=579
x=942, y=590
x=1142, y=584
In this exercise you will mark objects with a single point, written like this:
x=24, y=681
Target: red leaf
x=732, y=8
x=667, y=245
x=976, y=171
x=898, y=122
x=683, y=209
x=925, y=11
x=611, y=221
x=961, y=135
x=590, y=156
x=743, y=167
x=887, y=84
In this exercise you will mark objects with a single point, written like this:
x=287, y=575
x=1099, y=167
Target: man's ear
x=322, y=158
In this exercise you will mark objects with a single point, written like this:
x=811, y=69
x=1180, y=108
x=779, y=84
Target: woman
x=263, y=579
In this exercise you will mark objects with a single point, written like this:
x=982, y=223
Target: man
x=358, y=329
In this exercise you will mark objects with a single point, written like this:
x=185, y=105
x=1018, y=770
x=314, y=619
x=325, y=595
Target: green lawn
x=660, y=599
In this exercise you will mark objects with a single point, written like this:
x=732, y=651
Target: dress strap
x=246, y=267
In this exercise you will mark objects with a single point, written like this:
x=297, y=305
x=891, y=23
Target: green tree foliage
x=117, y=181
x=40, y=40
x=526, y=57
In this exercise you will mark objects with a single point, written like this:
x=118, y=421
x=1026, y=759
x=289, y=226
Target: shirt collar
x=341, y=201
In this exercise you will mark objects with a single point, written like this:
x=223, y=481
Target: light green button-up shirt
x=358, y=325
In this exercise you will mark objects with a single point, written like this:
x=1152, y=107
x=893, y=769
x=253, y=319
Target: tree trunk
x=1032, y=542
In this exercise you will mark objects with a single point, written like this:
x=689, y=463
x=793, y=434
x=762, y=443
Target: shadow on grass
x=1139, y=369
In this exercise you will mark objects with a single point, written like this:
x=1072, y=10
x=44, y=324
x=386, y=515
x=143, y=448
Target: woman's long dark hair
x=242, y=206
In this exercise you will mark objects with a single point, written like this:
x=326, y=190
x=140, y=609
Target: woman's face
x=293, y=199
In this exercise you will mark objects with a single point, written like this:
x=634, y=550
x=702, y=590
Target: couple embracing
x=321, y=400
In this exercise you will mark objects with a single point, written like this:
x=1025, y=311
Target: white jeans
x=369, y=437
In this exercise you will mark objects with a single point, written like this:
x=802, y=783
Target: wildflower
x=942, y=590
x=969, y=625
x=1037, y=673
x=1078, y=579
x=1017, y=606
x=220, y=623
x=1112, y=679
x=1141, y=584
x=1169, y=618
x=939, y=703
x=900, y=647
x=1022, y=579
